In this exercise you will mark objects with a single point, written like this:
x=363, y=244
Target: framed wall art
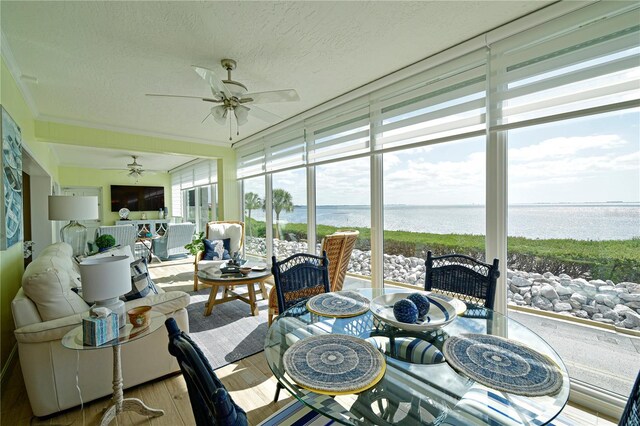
x=11, y=183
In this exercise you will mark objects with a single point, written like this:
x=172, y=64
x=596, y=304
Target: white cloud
x=444, y=182
x=563, y=147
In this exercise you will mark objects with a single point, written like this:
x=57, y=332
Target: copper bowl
x=245, y=270
x=140, y=316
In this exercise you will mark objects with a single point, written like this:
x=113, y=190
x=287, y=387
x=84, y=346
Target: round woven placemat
x=334, y=364
x=502, y=364
x=339, y=304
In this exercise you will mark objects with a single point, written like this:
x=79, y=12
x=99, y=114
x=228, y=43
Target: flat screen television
x=137, y=198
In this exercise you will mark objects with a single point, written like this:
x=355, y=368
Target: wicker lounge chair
x=220, y=230
x=125, y=235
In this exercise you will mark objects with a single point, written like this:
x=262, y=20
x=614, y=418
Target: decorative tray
x=440, y=312
x=230, y=269
x=338, y=304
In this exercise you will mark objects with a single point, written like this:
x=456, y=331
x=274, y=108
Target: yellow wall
x=11, y=260
x=71, y=176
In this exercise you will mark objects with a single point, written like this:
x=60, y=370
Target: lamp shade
x=66, y=207
x=105, y=278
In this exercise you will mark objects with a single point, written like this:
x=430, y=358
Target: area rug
x=230, y=333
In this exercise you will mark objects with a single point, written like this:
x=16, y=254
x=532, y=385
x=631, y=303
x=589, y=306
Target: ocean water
x=588, y=221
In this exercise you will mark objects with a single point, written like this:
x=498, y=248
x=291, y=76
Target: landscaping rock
x=548, y=292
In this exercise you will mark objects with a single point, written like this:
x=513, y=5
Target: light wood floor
x=249, y=381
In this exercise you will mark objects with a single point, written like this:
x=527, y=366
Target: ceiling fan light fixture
x=219, y=114
x=242, y=114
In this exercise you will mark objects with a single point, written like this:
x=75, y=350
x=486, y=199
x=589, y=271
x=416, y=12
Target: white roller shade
x=251, y=159
x=584, y=60
x=285, y=149
x=341, y=132
x=448, y=100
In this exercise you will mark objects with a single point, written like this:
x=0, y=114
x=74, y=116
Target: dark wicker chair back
x=210, y=402
x=631, y=413
x=463, y=277
x=299, y=277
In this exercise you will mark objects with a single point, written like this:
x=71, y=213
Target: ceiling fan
x=233, y=97
x=135, y=169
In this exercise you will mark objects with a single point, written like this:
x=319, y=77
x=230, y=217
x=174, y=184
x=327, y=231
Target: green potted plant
x=105, y=242
x=196, y=244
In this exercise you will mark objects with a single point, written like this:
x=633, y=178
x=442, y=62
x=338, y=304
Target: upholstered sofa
x=46, y=308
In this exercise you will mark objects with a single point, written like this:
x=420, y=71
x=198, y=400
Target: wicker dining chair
x=462, y=277
x=338, y=247
x=297, y=278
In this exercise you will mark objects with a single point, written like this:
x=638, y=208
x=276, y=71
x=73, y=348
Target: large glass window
x=254, y=217
x=574, y=239
x=289, y=213
x=207, y=208
x=343, y=202
x=200, y=206
x=434, y=199
x=189, y=208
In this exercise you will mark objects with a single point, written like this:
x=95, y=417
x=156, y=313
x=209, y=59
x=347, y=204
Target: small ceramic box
x=97, y=331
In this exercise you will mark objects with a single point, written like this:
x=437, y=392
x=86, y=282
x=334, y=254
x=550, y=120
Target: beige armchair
x=338, y=247
x=220, y=230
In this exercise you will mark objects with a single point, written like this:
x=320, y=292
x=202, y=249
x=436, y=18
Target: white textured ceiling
x=94, y=61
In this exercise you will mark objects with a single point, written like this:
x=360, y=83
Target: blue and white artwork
x=11, y=185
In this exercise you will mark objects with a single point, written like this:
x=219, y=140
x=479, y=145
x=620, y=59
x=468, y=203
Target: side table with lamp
x=104, y=281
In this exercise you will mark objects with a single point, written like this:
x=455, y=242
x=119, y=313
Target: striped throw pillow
x=141, y=283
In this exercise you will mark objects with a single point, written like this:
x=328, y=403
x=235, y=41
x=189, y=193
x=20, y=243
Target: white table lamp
x=66, y=207
x=104, y=280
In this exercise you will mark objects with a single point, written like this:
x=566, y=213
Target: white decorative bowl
x=440, y=312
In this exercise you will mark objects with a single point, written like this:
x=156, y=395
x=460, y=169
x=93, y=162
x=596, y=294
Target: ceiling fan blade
x=205, y=118
x=188, y=97
x=288, y=95
x=266, y=116
x=217, y=86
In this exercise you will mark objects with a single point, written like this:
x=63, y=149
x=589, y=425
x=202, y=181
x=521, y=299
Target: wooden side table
x=128, y=333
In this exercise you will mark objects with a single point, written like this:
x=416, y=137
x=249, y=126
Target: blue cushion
x=226, y=413
x=217, y=249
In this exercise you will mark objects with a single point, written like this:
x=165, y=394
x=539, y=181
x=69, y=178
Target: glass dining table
x=418, y=387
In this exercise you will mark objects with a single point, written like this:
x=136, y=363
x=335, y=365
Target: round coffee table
x=213, y=277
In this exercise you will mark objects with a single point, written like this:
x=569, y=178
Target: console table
x=155, y=226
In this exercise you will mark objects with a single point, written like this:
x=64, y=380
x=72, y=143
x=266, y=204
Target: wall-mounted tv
x=137, y=198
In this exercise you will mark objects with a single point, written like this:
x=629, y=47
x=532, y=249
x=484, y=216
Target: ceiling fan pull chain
x=230, y=130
